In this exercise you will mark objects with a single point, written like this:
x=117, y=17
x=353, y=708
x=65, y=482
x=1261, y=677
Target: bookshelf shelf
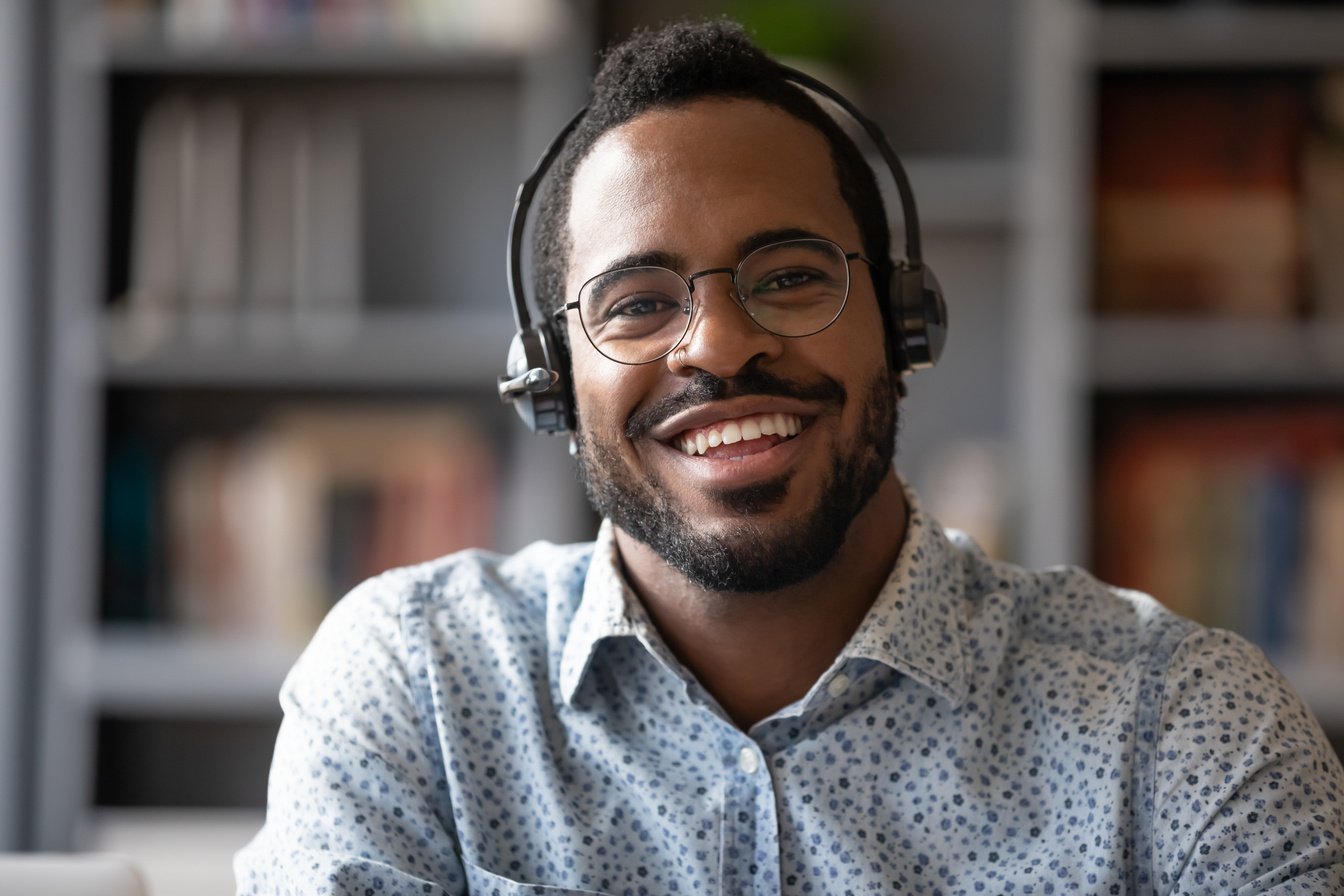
x=1219, y=35
x=183, y=852
x=383, y=349
x=1200, y=353
x=192, y=182
x=304, y=57
x=1020, y=201
x=159, y=671
x=1317, y=680
x=961, y=193
x=1189, y=387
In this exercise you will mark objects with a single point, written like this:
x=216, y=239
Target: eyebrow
x=655, y=259
x=778, y=235
x=658, y=258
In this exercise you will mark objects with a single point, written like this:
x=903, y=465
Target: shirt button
x=838, y=685
x=746, y=760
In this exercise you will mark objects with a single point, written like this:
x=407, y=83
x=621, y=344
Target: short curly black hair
x=673, y=66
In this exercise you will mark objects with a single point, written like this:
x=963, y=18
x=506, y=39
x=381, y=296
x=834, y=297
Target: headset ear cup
x=547, y=410
x=557, y=353
x=920, y=313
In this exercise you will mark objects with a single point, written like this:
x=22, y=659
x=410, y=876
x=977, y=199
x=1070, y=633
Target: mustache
x=706, y=387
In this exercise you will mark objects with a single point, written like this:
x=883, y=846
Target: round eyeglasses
x=640, y=314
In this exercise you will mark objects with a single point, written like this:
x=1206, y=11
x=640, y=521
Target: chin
x=754, y=544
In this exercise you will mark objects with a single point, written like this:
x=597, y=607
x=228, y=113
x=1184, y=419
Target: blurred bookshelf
x=176, y=391
x=276, y=319
x=280, y=266
x=1210, y=139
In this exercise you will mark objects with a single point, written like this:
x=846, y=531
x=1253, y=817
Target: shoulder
x=1217, y=679
x=458, y=604
x=1066, y=607
x=471, y=581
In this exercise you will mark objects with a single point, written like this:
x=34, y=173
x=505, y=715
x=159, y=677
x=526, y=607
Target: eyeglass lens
x=793, y=288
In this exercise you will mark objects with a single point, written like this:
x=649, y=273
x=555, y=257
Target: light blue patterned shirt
x=510, y=725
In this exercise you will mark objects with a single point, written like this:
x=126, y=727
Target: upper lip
x=730, y=409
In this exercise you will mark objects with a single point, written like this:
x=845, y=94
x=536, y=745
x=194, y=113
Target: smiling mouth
x=774, y=427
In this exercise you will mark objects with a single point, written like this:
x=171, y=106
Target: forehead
x=696, y=180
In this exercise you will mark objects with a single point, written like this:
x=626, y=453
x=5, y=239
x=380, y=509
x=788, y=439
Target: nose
x=722, y=339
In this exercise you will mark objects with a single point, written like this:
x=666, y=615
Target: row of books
x=257, y=210
x=259, y=532
x=1220, y=193
x=498, y=25
x=1235, y=519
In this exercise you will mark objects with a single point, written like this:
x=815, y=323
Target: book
x=274, y=148
x=212, y=224
x=1323, y=205
x=1323, y=599
x=1232, y=517
x=1197, y=194
x=328, y=249
x=132, y=532
x=268, y=527
x=159, y=224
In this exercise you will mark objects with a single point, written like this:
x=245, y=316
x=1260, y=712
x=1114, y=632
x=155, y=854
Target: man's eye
x=787, y=279
x=640, y=306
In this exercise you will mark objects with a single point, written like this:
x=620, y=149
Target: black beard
x=753, y=556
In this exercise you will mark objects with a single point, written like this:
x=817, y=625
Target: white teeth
x=745, y=430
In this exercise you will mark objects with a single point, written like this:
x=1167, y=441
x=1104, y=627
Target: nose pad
x=722, y=337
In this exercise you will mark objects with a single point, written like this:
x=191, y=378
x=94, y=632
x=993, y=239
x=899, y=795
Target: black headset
x=538, y=365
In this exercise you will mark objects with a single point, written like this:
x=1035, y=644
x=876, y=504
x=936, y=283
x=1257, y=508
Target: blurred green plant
x=830, y=32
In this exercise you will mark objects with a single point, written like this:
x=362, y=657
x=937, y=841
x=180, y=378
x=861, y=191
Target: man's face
x=692, y=188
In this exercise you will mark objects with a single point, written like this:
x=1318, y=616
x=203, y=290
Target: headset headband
x=537, y=365
x=527, y=190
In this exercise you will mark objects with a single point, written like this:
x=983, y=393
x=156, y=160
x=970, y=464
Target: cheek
x=858, y=340
x=605, y=393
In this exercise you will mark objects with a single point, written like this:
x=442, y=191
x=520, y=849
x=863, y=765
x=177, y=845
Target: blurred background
x=253, y=298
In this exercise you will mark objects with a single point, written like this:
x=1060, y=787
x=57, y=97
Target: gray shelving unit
x=967, y=181
x=1065, y=354
x=19, y=324
x=448, y=133
x=990, y=105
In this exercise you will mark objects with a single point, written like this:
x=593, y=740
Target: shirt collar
x=913, y=626
x=607, y=609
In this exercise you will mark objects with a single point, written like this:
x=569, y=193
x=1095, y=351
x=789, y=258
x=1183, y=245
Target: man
x=772, y=672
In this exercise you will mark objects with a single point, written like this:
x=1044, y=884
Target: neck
x=759, y=652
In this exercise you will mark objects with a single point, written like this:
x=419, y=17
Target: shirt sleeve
x=357, y=797
x=1247, y=789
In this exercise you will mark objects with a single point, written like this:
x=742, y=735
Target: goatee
x=755, y=554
